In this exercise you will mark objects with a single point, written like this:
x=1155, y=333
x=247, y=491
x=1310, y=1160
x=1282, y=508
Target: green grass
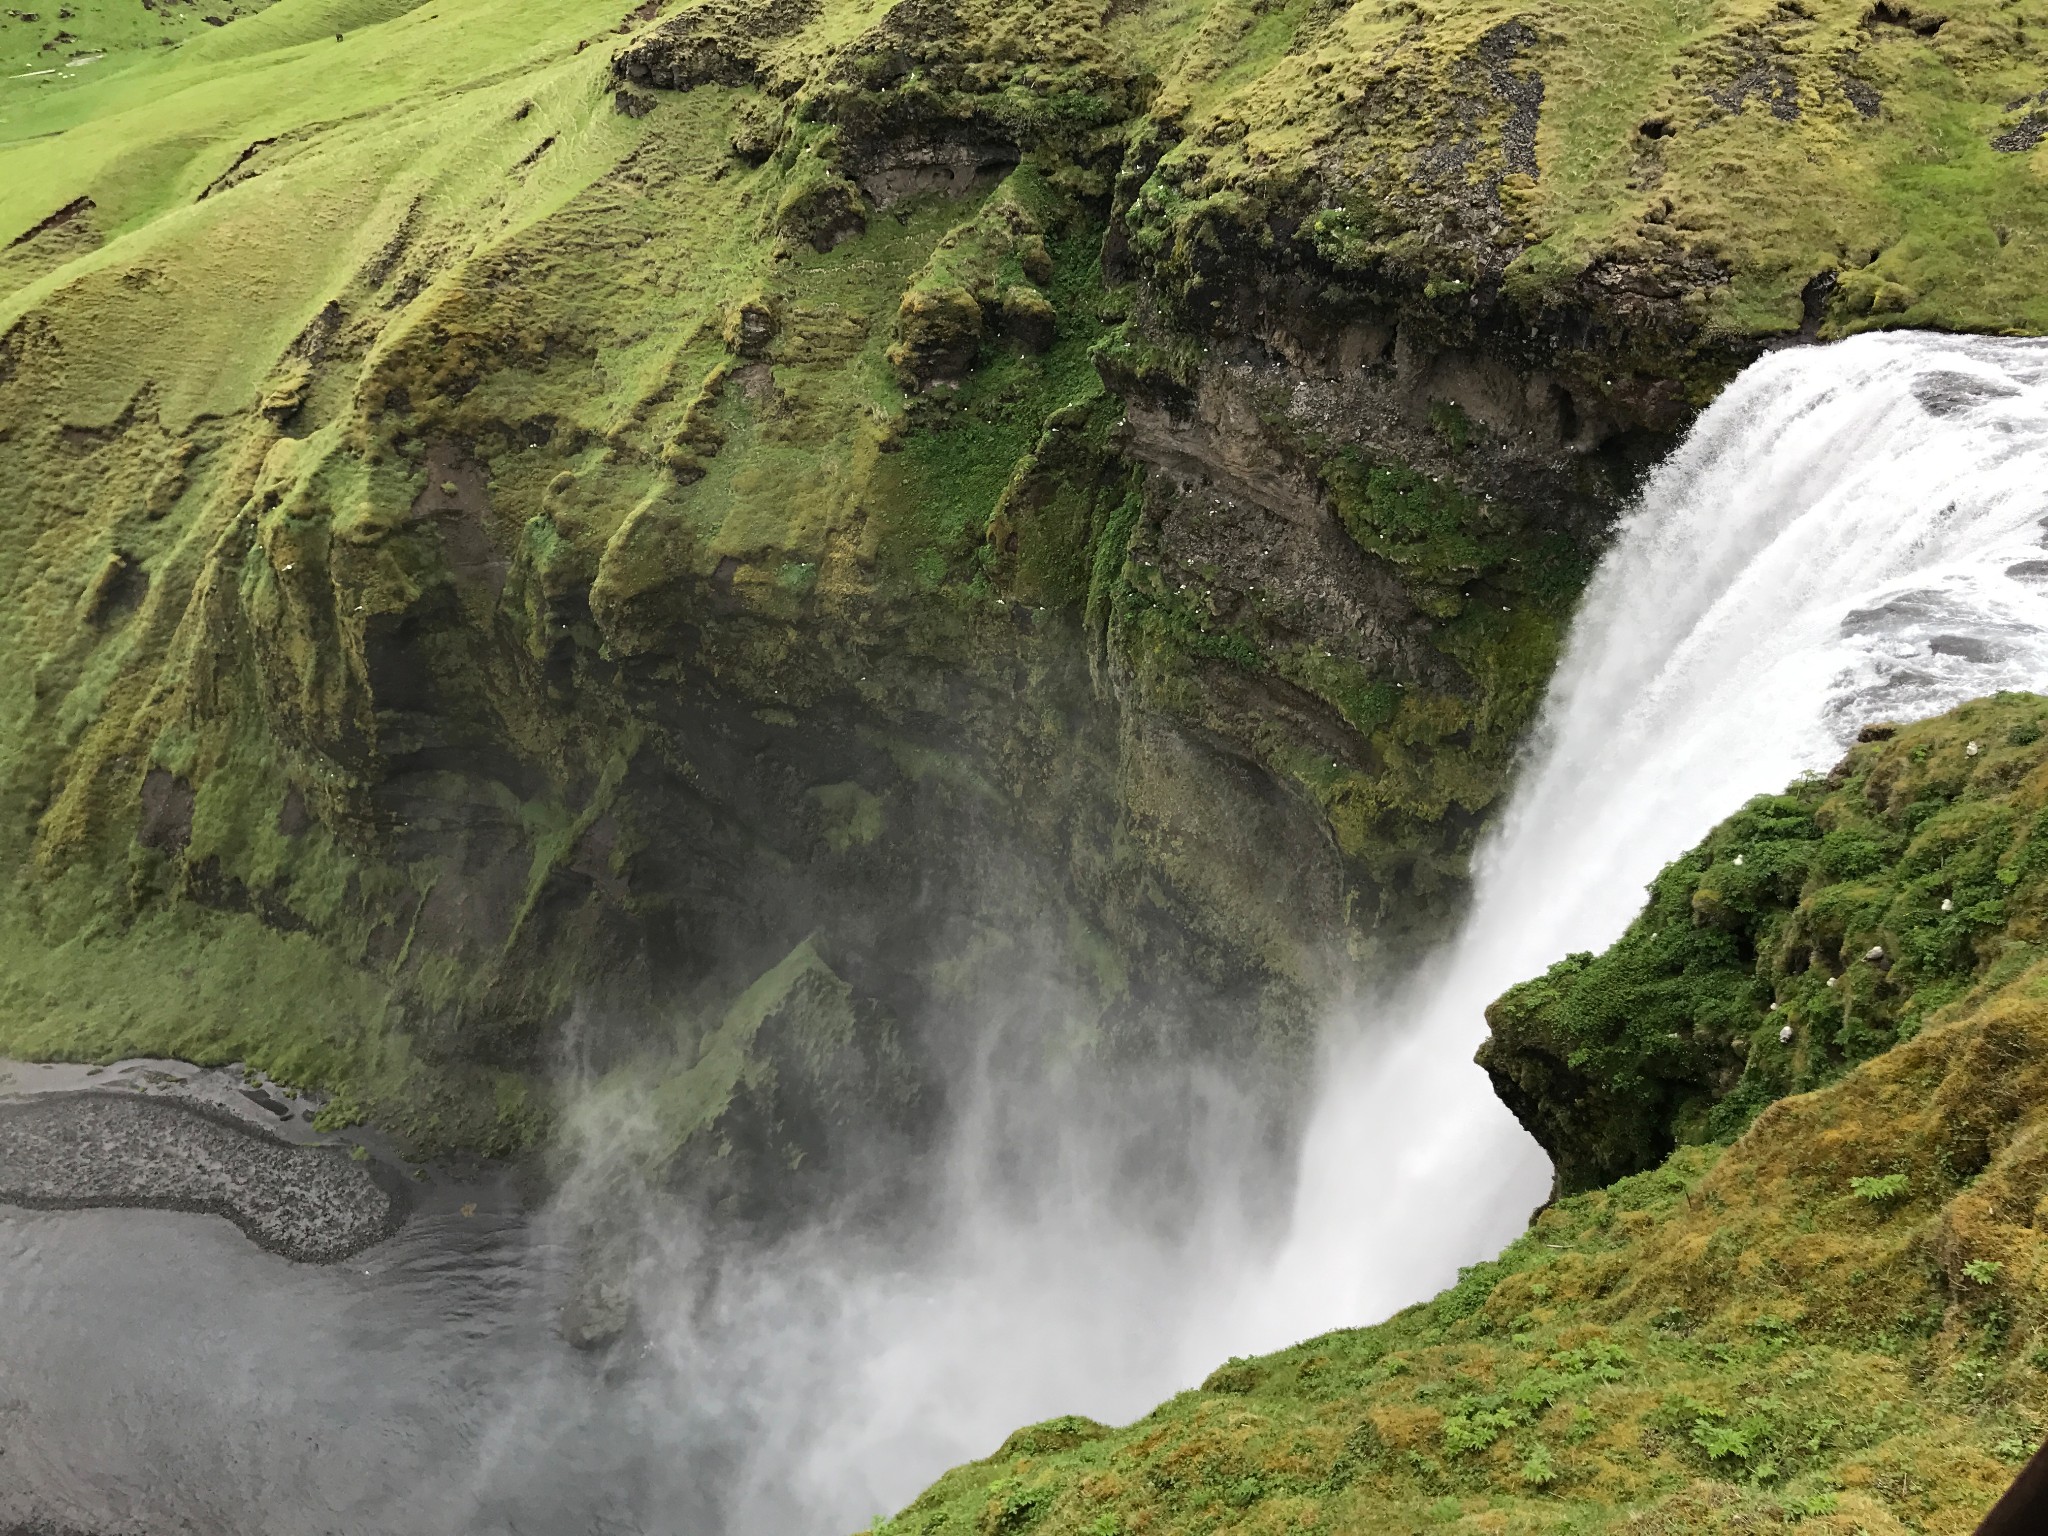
x=1740, y=208
x=82, y=41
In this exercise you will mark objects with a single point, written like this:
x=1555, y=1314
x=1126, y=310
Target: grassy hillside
x=1833, y=1323
x=57, y=45
x=513, y=504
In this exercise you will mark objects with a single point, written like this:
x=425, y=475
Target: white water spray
x=1850, y=533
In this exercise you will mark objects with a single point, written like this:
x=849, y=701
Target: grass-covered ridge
x=1833, y=1324
x=1713, y=171
x=476, y=474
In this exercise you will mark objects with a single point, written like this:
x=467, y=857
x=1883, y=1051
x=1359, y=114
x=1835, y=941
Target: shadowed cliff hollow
x=774, y=516
x=1814, y=1301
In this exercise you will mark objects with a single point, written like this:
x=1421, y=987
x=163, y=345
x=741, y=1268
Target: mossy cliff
x=1822, y=1311
x=511, y=505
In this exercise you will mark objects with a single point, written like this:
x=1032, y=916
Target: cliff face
x=519, y=505
x=1821, y=1311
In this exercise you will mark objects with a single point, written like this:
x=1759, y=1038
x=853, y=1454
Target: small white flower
x=1785, y=1035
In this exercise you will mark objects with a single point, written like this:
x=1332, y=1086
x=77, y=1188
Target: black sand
x=68, y=1151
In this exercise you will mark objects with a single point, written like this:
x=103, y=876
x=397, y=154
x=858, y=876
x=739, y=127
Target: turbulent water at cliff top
x=1850, y=533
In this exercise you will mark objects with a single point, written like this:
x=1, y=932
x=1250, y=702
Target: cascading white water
x=1850, y=533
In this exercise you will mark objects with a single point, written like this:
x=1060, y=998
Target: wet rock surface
x=68, y=1151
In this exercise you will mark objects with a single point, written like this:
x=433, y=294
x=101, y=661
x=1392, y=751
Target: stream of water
x=1850, y=533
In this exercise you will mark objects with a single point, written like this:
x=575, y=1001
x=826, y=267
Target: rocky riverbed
x=168, y=1136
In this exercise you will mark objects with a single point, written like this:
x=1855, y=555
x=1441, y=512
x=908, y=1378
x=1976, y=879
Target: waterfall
x=1850, y=533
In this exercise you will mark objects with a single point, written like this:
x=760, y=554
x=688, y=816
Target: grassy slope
x=1836, y=1323
x=401, y=130
x=332, y=234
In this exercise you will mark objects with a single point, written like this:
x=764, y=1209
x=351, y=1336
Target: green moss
x=1166, y=631
x=1844, y=913
x=1367, y=703
x=554, y=287
x=1427, y=529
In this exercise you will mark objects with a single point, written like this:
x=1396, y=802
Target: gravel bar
x=71, y=1151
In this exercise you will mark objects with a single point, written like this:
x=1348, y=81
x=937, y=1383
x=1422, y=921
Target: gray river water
x=160, y=1373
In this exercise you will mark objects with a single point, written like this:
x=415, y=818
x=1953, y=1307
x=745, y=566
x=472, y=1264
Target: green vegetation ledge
x=1832, y=1323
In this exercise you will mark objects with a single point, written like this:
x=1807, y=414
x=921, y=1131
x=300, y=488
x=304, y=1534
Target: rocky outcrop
x=714, y=42
x=1809, y=932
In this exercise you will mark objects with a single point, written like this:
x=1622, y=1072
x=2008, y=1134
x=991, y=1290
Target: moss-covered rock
x=938, y=332
x=772, y=1108
x=1810, y=931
